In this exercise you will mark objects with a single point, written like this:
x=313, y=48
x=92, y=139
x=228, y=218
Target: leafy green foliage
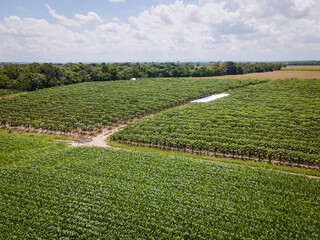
x=277, y=120
x=89, y=106
x=16, y=148
x=37, y=76
x=4, y=92
x=96, y=193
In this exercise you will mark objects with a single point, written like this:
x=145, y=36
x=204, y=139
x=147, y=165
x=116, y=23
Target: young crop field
x=97, y=193
x=16, y=147
x=274, y=121
x=4, y=92
x=89, y=106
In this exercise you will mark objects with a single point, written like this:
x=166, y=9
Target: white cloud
x=62, y=19
x=92, y=17
x=30, y=37
x=209, y=30
x=78, y=21
x=116, y=19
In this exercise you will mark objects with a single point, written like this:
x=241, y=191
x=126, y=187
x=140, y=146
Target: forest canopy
x=37, y=76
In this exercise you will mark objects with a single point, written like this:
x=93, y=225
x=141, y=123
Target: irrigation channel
x=100, y=139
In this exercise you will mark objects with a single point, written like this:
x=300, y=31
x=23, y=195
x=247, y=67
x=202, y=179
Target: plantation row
x=278, y=120
x=97, y=193
x=89, y=106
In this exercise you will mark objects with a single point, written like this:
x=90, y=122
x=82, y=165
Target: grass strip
x=264, y=165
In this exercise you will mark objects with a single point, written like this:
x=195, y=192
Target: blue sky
x=159, y=30
x=106, y=9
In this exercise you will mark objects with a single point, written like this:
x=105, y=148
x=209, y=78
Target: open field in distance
x=302, y=68
x=276, y=75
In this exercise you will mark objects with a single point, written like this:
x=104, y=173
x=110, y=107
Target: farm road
x=97, y=141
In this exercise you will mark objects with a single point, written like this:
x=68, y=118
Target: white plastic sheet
x=210, y=98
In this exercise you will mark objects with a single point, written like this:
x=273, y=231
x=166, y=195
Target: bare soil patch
x=12, y=95
x=99, y=140
x=276, y=75
x=303, y=66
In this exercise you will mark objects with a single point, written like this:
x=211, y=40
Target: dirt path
x=99, y=140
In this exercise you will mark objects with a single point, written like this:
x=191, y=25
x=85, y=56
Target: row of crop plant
x=277, y=120
x=90, y=106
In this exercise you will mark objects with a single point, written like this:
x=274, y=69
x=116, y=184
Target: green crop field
x=4, y=92
x=89, y=106
x=18, y=146
x=277, y=120
x=97, y=193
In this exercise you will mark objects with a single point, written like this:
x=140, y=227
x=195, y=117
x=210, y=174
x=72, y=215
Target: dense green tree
x=4, y=81
x=231, y=68
x=36, y=76
x=12, y=70
x=114, y=74
x=218, y=69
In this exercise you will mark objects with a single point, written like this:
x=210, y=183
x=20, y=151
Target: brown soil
x=303, y=66
x=285, y=75
x=275, y=75
x=12, y=95
x=99, y=140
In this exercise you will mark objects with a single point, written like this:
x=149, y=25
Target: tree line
x=37, y=76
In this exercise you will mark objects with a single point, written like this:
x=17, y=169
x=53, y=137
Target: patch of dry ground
x=276, y=75
x=99, y=140
x=12, y=95
x=303, y=66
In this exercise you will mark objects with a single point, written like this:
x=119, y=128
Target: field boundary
x=221, y=155
x=275, y=75
x=250, y=163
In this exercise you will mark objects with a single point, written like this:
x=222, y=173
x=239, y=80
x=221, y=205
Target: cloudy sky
x=159, y=30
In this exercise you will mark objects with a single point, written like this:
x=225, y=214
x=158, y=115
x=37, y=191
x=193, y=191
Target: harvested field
x=302, y=68
x=276, y=75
